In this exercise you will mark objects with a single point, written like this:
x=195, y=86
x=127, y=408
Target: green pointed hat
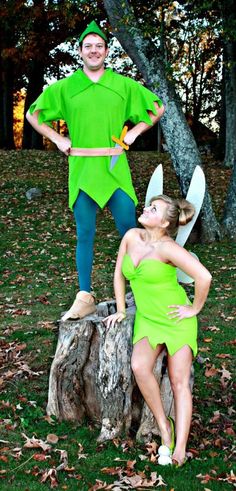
x=92, y=28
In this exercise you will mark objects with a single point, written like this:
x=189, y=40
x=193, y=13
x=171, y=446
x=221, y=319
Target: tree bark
x=220, y=147
x=32, y=139
x=178, y=136
x=229, y=18
x=230, y=103
x=6, y=104
x=91, y=376
x=7, y=73
x=229, y=216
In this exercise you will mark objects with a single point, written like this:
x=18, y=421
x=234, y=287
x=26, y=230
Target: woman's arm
x=182, y=259
x=119, y=284
x=62, y=142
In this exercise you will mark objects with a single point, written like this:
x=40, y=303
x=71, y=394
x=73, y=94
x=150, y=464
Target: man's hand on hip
x=63, y=143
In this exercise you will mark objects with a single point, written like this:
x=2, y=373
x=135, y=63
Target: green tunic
x=155, y=287
x=94, y=111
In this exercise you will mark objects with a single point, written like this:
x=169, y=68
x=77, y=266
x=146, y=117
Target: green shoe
x=172, y=427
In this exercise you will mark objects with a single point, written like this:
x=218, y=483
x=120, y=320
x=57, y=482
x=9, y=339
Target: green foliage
x=40, y=27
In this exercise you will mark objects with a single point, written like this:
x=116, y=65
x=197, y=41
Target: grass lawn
x=38, y=281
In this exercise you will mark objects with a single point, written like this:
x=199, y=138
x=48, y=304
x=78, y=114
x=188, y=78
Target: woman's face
x=154, y=215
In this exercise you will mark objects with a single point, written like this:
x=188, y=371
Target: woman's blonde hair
x=178, y=212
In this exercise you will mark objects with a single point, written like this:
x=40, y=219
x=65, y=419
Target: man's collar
x=79, y=81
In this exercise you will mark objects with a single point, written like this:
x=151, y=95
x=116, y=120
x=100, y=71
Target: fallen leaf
x=81, y=455
x=19, y=407
x=232, y=342
x=49, y=419
x=231, y=410
x=218, y=442
x=143, y=457
x=153, y=458
x=151, y=447
x=205, y=478
x=52, y=438
x=40, y=457
x=98, y=485
x=20, y=347
x=213, y=454
x=191, y=452
x=135, y=481
x=3, y=458
x=50, y=474
x=35, y=443
x=130, y=464
x=216, y=417
x=225, y=374
x=230, y=431
x=63, y=459
x=211, y=372
x=111, y=471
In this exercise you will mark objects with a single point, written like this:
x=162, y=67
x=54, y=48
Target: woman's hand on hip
x=180, y=312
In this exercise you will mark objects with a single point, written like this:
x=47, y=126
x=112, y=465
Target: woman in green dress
x=148, y=258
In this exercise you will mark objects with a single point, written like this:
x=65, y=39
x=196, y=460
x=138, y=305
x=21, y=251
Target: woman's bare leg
x=143, y=362
x=179, y=368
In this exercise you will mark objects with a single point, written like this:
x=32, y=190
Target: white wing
x=155, y=185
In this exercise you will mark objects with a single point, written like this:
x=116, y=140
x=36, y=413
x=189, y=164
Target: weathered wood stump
x=91, y=377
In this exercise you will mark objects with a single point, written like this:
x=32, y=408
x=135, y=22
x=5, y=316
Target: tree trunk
x=229, y=216
x=31, y=138
x=2, y=136
x=6, y=92
x=6, y=105
x=230, y=103
x=220, y=147
x=229, y=19
x=91, y=376
x=178, y=136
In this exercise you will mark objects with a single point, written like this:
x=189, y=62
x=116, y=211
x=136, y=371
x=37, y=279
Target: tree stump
x=91, y=377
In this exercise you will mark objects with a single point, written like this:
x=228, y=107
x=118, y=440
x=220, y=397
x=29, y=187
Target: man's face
x=93, y=52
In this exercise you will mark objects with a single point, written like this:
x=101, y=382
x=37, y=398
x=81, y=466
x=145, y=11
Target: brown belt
x=95, y=152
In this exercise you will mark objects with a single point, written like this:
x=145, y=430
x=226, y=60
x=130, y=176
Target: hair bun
x=186, y=211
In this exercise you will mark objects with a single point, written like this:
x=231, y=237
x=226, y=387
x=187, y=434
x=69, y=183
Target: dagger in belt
x=119, y=143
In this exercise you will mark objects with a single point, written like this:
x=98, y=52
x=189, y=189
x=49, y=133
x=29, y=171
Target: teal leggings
x=85, y=208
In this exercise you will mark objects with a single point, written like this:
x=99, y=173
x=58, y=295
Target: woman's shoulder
x=133, y=233
x=166, y=249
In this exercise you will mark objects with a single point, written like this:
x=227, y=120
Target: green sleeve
x=50, y=104
x=140, y=101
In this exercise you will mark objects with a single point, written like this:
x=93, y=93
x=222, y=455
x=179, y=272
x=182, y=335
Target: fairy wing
x=195, y=196
x=155, y=186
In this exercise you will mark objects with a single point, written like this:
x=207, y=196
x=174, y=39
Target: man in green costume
x=95, y=103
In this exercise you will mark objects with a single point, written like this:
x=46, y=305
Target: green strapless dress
x=155, y=286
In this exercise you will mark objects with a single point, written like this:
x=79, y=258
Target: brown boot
x=83, y=305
